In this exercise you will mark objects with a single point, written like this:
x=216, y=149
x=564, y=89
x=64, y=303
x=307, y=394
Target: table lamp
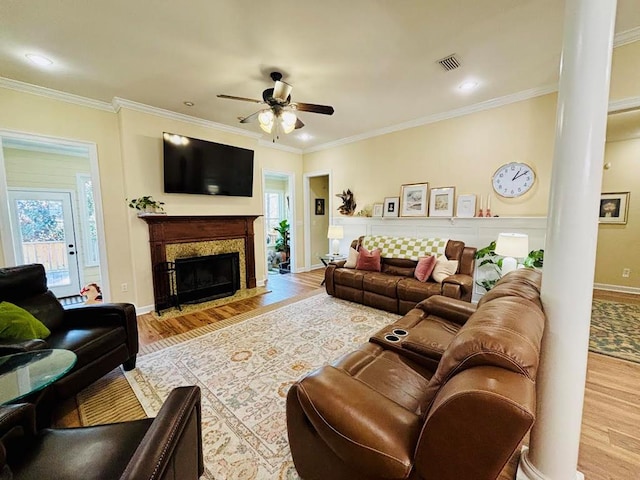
x=335, y=234
x=511, y=246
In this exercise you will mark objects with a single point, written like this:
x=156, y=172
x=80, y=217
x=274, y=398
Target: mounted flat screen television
x=206, y=168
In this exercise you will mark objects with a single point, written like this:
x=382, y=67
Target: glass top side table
x=24, y=373
x=330, y=257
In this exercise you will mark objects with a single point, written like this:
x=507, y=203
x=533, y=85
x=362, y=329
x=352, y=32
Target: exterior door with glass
x=43, y=232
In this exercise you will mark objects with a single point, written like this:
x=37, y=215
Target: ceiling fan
x=281, y=111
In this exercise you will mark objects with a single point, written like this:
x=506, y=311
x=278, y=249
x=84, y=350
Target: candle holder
x=488, y=213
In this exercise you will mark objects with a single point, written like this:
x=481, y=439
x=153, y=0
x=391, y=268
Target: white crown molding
x=628, y=36
x=119, y=103
x=438, y=117
x=617, y=288
x=55, y=94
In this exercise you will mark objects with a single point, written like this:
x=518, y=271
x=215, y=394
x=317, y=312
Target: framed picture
x=377, y=209
x=441, y=204
x=466, y=206
x=614, y=207
x=391, y=207
x=319, y=206
x=414, y=200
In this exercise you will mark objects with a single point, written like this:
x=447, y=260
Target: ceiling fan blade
x=299, y=124
x=244, y=99
x=310, y=107
x=251, y=118
x=281, y=90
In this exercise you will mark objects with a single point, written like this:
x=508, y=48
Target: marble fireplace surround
x=172, y=237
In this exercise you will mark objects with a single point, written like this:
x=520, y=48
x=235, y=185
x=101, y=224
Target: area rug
x=188, y=308
x=615, y=330
x=245, y=371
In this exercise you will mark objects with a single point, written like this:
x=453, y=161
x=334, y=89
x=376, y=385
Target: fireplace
x=199, y=279
x=173, y=238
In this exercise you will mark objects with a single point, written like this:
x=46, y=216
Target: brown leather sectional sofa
x=394, y=288
x=447, y=392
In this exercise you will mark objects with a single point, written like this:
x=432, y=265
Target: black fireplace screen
x=199, y=279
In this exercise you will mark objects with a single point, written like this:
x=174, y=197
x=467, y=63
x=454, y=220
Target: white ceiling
x=374, y=61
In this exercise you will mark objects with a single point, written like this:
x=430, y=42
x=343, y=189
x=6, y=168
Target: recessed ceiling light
x=189, y=104
x=304, y=137
x=39, y=59
x=468, y=85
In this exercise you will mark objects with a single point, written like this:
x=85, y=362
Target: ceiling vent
x=449, y=63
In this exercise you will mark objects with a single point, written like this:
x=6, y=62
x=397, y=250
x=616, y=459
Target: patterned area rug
x=615, y=330
x=245, y=371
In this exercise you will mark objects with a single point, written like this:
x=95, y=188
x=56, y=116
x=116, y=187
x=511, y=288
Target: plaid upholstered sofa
x=394, y=288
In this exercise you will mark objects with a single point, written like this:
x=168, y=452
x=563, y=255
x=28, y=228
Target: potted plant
x=282, y=243
x=146, y=204
x=489, y=258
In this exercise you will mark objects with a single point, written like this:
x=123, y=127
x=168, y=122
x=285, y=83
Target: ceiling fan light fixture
x=265, y=118
x=288, y=120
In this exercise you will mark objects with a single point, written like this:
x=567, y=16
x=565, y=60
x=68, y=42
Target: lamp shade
x=335, y=231
x=512, y=245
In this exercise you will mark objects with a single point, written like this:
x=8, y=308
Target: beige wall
x=27, y=113
x=319, y=224
x=463, y=152
x=618, y=244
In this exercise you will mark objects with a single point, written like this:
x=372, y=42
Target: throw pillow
x=18, y=324
x=444, y=268
x=368, y=260
x=425, y=267
x=352, y=260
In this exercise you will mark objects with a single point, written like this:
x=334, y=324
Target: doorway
x=44, y=233
x=50, y=211
x=318, y=213
x=278, y=221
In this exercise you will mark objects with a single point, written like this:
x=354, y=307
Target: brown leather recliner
x=102, y=336
x=394, y=288
x=378, y=413
x=168, y=447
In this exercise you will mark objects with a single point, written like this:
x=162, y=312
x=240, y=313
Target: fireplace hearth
x=199, y=279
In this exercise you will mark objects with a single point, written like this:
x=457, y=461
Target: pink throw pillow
x=425, y=267
x=368, y=260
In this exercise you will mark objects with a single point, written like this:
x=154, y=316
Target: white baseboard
x=616, y=288
x=145, y=309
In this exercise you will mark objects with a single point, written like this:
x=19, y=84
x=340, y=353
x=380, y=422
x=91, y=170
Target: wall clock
x=513, y=179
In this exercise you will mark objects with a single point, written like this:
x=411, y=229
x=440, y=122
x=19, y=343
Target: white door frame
x=291, y=191
x=307, y=205
x=92, y=152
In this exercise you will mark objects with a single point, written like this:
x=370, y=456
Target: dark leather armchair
x=102, y=336
x=168, y=447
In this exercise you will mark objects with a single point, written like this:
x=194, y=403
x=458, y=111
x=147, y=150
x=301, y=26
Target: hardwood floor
x=282, y=287
x=610, y=441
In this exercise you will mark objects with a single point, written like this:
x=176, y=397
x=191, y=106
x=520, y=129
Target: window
x=88, y=221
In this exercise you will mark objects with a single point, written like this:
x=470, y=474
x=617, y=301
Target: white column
x=572, y=231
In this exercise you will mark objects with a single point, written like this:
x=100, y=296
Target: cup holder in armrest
x=400, y=332
x=391, y=338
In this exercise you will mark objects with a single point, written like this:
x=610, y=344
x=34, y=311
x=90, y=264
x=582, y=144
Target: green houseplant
x=146, y=204
x=282, y=245
x=492, y=264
